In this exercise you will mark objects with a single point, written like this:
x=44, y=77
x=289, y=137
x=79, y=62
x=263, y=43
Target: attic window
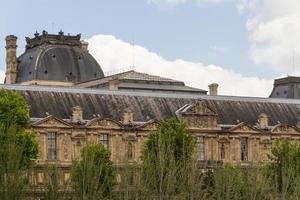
x=277, y=93
x=46, y=72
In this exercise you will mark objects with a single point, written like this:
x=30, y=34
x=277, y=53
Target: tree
x=284, y=171
x=14, y=119
x=93, y=176
x=13, y=109
x=18, y=146
x=167, y=161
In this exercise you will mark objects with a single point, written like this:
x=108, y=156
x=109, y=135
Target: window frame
x=244, y=149
x=104, y=142
x=201, y=148
x=52, y=151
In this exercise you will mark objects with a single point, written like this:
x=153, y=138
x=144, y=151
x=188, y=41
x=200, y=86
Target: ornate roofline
x=53, y=39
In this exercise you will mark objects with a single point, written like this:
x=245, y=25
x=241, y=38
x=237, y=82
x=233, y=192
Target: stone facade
x=240, y=144
x=72, y=104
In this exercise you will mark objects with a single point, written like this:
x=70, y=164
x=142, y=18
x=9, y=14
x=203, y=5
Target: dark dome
x=57, y=58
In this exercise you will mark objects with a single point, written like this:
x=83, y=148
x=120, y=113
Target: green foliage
x=167, y=160
x=13, y=109
x=18, y=147
x=93, y=176
x=284, y=171
x=55, y=189
x=14, y=119
x=24, y=142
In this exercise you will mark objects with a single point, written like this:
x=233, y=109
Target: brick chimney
x=128, y=116
x=11, y=59
x=77, y=114
x=213, y=89
x=263, y=121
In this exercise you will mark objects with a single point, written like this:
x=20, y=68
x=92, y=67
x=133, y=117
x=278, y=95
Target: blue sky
x=209, y=33
x=241, y=44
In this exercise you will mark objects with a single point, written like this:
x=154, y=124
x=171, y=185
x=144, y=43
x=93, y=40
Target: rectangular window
x=52, y=147
x=201, y=147
x=104, y=140
x=244, y=149
x=222, y=151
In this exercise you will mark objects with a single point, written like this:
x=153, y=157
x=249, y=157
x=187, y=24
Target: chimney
x=84, y=46
x=113, y=84
x=128, y=116
x=213, y=89
x=77, y=114
x=11, y=59
x=263, y=121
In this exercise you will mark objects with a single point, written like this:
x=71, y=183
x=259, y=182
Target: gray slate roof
x=57, y=58
x=151, y=105
x=132, y=81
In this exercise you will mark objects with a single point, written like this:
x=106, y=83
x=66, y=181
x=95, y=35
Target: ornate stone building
x=71, y=103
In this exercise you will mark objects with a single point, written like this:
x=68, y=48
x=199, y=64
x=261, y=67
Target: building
x=72, y=102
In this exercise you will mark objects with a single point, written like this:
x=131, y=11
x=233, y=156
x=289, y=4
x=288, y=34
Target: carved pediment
x=52, y=121
x=103, y=123
x=200, y=108
x=150, y=125
x=199, y=115
x=285, y=128
x=244, y=127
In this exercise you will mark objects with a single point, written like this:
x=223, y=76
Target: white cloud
x=113, y=54
x=274, y=31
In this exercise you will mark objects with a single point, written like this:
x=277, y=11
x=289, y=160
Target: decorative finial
x=36, y=34
x=45, y=32
x=61, y=32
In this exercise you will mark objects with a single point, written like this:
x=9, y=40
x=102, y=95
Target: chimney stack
x=77, y=114
x=113, y=84
x=11, y=59
x=213, y=89
x=263, y=121
x=128, y=116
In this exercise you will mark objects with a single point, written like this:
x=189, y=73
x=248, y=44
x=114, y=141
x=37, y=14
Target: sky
x=240, y=44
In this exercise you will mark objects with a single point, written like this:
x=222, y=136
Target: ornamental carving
x=101, y=123
x=285, y=128
x=244, y=127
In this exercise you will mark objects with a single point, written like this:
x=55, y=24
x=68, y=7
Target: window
x=104, y=140
x=222, y=151
x=129, y=151
x=52, y=148
x=244, y=149
x=201, y=147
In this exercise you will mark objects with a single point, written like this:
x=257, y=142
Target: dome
x=57, y=58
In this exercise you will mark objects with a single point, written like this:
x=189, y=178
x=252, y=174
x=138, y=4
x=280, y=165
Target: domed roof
x=57, y=58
